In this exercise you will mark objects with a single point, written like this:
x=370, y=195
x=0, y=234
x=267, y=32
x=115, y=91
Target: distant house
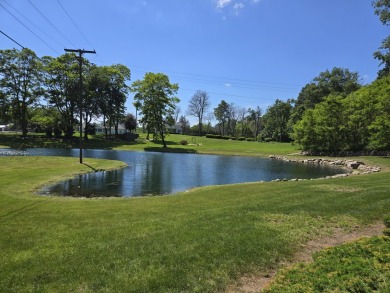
x=175, y=129
x=3, y=128
x=101, y=130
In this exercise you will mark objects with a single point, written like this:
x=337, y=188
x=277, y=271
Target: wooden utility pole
x=81, y=52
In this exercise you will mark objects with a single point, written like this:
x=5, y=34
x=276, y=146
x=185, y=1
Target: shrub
x=217, y=136
x=225, y=137
x=387, y=224
x=57, y=132
x=183, y=142
x=250, y=139
x=241, y=138
x=267, y=139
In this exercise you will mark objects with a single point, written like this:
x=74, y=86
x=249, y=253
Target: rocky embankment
x=355, y=167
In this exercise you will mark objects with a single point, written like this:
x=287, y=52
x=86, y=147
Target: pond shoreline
x=355, y=167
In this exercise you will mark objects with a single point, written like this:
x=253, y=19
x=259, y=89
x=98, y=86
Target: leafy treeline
x=46, y=92
x=359, y=121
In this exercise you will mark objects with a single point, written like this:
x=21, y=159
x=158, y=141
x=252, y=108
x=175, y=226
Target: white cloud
x=234, y=5
x=238, y=6
x=222, y=3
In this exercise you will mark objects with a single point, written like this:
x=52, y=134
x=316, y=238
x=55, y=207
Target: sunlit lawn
x=195, y=144
x=197, y=241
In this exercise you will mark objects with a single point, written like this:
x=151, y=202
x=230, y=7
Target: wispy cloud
x=222, y=3
x=238, y=6
x=234, y=5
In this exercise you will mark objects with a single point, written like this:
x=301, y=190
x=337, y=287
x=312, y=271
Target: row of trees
x=47, y=91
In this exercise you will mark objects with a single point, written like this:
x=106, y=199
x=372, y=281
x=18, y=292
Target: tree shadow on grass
x=170, y=150
x=16, y=141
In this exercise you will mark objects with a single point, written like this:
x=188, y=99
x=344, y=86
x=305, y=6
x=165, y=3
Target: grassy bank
x=200, y=145
x=197, y=241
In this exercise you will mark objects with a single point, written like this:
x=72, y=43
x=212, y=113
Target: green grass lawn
x=200, y=145
x=196, y=241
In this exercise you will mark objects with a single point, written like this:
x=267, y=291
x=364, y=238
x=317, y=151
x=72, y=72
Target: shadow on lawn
x=16, y=141
x=170, y=150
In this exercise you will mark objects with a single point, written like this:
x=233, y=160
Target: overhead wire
x=74, y=23
x=218, y=77
x=11, y=39
x=36, y=8
x=230, y=95
x=28, y=28
x=230, y=82
x=32, y=23
x=79, y=30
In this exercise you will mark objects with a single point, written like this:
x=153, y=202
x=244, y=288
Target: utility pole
x=81, y=52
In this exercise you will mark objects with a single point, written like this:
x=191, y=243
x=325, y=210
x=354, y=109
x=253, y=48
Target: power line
x=36, y=26
x=218, y=77
x=28, y=28
x=74, y=23
x=229, y=95
x=36, y=8
x=11, y=39
x=230, y=83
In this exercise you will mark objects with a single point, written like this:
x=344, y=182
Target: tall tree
x=185, y=124
x=20, y=78
x=62, y=84
x=242, y=121
x=111, y=94
x=5, y=108
x=276, y=120
x=198, y=105
x=255, y=119
x=338, y=81
x=158, y=100
x=130, y=122
x=382, y=9
x=221, y=113
x=118, y=93
x=137, y=105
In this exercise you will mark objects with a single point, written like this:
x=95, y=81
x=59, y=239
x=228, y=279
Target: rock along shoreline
x=355, y=167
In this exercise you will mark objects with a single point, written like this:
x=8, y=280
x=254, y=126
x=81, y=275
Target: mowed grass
x=196, y=144
x=196, y=241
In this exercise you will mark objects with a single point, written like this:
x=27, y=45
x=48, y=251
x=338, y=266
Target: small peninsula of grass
x=201, y=240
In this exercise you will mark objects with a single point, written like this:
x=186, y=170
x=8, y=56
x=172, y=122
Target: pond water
x=151, y=173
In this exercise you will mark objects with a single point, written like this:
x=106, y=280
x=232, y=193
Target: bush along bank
x=355, y=167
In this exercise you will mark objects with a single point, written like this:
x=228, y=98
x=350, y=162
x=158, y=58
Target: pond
x=151, y=173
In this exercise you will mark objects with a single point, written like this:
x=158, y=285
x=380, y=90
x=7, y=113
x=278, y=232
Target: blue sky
x=247, y=52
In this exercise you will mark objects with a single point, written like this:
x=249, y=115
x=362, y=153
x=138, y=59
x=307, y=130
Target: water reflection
x=161, y=173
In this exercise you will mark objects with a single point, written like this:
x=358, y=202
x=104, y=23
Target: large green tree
x=221, y=113
x=62, y=88
x=254, y=118
x=360, y=121
x=158, y=101
x=276, y=120
x=338, y=81
x=20, y=81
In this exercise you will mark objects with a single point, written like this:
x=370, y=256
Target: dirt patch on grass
x=256, y=283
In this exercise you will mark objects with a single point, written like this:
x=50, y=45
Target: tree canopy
x=358, y=122
x=158, y=101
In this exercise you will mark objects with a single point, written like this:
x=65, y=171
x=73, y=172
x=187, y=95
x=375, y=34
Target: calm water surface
x=163, y=173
